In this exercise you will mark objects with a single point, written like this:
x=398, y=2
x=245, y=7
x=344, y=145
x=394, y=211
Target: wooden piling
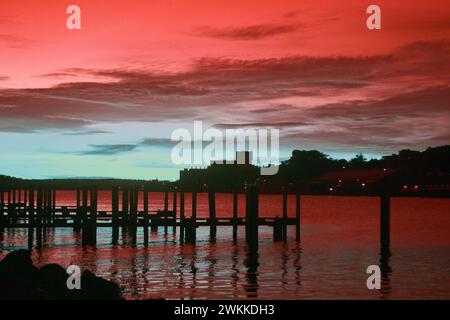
x=166, y=200
x=46, y=207
x=191, y=224
x=190, y=230
x=25, y=200
x=297, y=217
x=154, y=223
x=84, y=218
x=278, y=229
x=115, y=214
x=133, y=215
x=182, y=217
x=130, y=215
x=251, y=219
x=93, y=217
x=54, y=206
x=2, y=211
x=125, y=207
x=10, y=213
x=13, y=209
x=174, y=209
x=39, y=213
x=385, y=221
x=235, y=215
x=212, y=216
x=31, y=220
x=78, y=214
x=285, y=215
x=166, y=209
x=145, y=217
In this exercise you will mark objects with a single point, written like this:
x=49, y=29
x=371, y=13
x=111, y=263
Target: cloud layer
x=382, y=101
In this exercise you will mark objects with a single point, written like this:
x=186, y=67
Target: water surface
x=339, y=239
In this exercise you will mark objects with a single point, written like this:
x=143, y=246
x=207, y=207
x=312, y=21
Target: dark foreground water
x=339, y=240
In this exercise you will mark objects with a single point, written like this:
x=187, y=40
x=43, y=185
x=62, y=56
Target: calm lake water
x=339, y=239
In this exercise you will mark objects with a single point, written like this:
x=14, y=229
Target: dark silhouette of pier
x=35, y=209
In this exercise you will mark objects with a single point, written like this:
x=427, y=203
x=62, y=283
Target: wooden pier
x=35, y=209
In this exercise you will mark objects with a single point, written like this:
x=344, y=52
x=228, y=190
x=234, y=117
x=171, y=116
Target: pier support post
x=54, y=206
x=133, y=214
x=251, y=223
x=190, y=230
x=278, y=229
x=25, y=200
x=166, y=200
x=191, y=224
x=125, y=206
x=84, y=218
x=174, y=206
x=181, y=216
x=385, y=221
x=93, y=222
x=212, y=216
x=235, y=215
x=31, y=221
x=78, y=213
x=285, y=215
x=39, y=213
x=115, y=214
x=145, y=218
x=166, y=209
x=297, y=217
x=45, y=201
x=2, y=211
x=154, y=223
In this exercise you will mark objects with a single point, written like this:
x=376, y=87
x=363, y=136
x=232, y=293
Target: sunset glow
x=81, y=103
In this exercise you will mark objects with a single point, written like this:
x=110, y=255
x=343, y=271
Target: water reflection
x=297, y=252
x=328, y=263
x=251, y=263
x=235, y=271
x=386, y=270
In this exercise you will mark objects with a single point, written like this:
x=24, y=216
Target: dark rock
x=21, y=280
x=53, y=279
x=96, y=288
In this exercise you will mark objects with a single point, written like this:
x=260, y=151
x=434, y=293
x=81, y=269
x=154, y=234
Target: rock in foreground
x=20, y=279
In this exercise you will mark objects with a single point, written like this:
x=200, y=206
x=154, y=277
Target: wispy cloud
x=85, y=132
x=15, y=41
x=109, y=149
x=272, y=124
x=251, y=32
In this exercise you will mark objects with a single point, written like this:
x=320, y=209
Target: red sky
x=169, y=34
x=311, y=68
